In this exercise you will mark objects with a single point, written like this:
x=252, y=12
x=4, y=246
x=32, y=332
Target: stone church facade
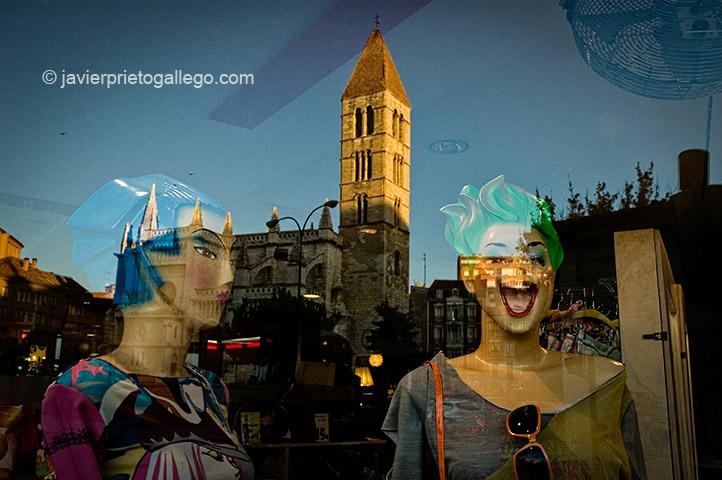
x=367, y=261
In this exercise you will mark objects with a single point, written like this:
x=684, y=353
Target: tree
x=628, y=195
x=575, y=205
x=549, y=201
x=394, y=333
x=275, y=320
x=603, y=201
x=634, y=194
x=646, y=189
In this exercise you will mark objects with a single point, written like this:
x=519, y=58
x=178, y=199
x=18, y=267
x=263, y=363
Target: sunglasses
x=530, y=462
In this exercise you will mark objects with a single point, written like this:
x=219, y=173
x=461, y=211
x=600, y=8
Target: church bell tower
x=374, y=198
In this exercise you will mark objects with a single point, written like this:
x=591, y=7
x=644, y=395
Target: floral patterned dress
x=100, y=422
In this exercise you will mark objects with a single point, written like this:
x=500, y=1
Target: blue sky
x=503, y=76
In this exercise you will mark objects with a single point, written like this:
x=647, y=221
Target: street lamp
x=272, y=223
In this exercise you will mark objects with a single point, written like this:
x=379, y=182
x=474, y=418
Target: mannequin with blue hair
x=141, y=412
x=585, y=422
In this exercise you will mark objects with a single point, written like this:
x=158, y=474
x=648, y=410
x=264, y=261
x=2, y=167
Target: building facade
x=367, y=261
x=374, y=188
x=41, y=312
x=453, y=319
x=268, y=262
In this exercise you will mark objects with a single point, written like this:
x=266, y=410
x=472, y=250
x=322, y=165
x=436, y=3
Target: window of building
x=401, y=126
x=362, y=205
x=369, y=168
x=471, y=311
x=358, y=122
x=363, y=168
x=395, y=123
x=471, y=332
x=438, y=333
x=397, y=263
x=397, y=211
x=24, y=296
x=438, y=312
x=369, y=120
x=357, y=169
x=452, y=334
x=398, y=170
x=264, y=276
x=454, y=312
x=439, y=293
x=316, y=280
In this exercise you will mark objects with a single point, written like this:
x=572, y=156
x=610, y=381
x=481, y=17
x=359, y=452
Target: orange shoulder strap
x=439, y=388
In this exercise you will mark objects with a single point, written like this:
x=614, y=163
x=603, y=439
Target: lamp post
x=272, y=223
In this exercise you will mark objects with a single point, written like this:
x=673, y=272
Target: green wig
x=495, y=203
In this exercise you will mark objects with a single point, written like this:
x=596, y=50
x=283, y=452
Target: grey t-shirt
x=476, y=442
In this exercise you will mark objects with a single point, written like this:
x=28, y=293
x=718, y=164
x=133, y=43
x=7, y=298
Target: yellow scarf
x=585, y=440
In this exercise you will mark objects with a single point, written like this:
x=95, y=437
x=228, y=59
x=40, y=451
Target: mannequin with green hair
x=509, y=254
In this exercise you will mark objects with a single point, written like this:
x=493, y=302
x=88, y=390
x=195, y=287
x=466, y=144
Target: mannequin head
x=508, y=251
x=182, y=272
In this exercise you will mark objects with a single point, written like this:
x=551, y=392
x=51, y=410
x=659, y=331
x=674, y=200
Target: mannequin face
x=197, y=281
x=512, y=277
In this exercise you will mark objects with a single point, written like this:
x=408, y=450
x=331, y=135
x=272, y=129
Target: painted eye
x=217, y=456
x=205, y=252
x=538, y=260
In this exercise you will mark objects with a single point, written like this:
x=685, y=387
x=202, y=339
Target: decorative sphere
x=376, y=360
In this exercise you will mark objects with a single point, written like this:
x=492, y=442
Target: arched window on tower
x=369, y=168
x=397, y=211
x=365, y=209
x=357, y=169
x=362, y=207
x=400, y=167
x=395, y=123
x=397, y=263
x=359, y=122
x=369, y=120
x=401, y=126
x=396, y=169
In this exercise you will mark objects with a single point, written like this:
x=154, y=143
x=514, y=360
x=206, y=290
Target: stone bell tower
x=374, y=198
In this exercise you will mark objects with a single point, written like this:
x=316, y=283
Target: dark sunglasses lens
x=531, y=464
x=523, y=420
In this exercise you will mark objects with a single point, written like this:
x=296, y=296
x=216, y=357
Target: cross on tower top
x=378, y=20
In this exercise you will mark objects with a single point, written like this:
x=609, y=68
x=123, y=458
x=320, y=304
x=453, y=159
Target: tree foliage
x=276, y=321
x=603, y=201
x=638, y=193
x=627, y=200
x=575, y=206
x=394, y=333
x=549, y=201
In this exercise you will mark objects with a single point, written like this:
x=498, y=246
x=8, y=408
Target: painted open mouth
x=519, y=300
